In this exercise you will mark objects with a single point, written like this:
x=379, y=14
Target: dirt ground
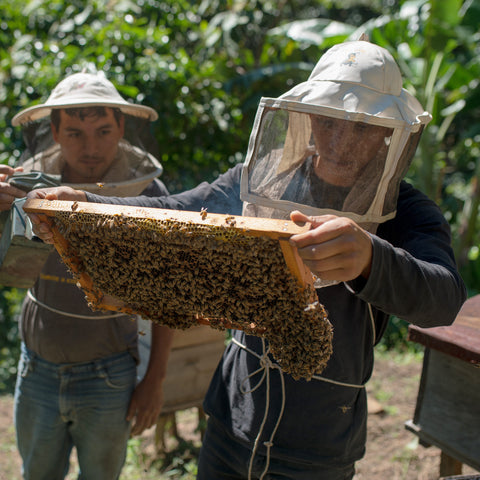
x=393, y=452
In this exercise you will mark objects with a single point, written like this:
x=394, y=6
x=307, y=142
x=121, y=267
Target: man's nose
x=91, y=145
x=340, y=140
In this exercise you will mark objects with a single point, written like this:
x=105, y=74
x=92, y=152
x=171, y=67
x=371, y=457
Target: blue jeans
x=222, y=458
x=58, y=406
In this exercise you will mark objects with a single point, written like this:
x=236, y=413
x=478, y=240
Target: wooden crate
x=447, y=413
x=195, y=355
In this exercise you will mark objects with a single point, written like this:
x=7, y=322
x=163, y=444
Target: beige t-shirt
x=64, y=337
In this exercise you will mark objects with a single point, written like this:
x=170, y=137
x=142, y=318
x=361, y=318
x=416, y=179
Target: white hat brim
x=355, y=98
x=43, y=110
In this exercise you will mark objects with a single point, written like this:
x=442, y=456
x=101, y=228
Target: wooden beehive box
x=184, y=268
x=447, y=413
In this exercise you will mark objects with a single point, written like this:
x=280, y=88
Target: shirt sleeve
x=155, y=189
x=414, y=275
x=220, y=196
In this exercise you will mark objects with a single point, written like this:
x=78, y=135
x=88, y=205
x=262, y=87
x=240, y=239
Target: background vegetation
x=203, y=65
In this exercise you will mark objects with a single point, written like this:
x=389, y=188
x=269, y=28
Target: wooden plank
x=21, y=258
x=254, y=226
x=461, y=339
x=295, y=264
x=21, y=265
x=449, y=465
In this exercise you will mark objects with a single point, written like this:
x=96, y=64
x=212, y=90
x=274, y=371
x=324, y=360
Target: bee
x=230, y=221
x=100, y=184
x=311, y=306
x=74, y=206
x=203, y=213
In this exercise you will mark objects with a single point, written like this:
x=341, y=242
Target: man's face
x=89, y=144
x=345, y=148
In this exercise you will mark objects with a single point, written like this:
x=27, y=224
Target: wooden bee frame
x=180, y=268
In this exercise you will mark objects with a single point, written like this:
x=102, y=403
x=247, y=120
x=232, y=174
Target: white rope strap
x=68, y=314
x=335, y=382
x=352, y=385
x=374, y=330
x=265, y=365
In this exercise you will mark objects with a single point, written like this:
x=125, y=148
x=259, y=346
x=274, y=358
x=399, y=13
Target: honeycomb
x=181, y=273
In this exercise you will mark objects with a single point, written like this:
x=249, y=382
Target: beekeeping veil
x=134, y=166
x=338, y=143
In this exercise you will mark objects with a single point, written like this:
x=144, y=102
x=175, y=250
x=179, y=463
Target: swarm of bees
x=180, y=274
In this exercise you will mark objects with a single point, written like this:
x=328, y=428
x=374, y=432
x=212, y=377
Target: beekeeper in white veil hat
x=134, y=166
x=338, y=143
x=84, y=134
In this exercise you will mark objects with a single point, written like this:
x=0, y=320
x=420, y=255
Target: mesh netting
x=318, y=162
x=134, y=168
x=321, y=160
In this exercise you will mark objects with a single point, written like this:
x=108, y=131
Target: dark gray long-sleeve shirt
x=413, y=276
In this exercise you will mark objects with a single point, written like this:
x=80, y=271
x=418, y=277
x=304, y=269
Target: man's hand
x=8, y=193
x=335, y=248
x=58, y=193
x=147, y=399
x=145, y=405
x=40, y=228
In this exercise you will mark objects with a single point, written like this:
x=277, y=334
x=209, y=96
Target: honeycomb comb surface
x=178, y=269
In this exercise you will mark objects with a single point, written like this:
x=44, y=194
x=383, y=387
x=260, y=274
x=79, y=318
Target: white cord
x=374, y=330
x=265, y=365
x=68, y=314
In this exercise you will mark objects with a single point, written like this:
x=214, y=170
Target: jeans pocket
x=119, y=377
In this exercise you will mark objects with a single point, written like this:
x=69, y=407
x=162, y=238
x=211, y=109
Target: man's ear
x=54, y=132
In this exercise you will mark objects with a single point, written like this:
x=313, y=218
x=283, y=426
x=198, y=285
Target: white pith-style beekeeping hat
x=134, y=167
x=83, y=90
x=354, y=83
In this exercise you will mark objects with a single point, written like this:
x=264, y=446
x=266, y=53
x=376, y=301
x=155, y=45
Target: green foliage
x=203, y=66
x=10, y=301
x=395, y=338
x=437, y=47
